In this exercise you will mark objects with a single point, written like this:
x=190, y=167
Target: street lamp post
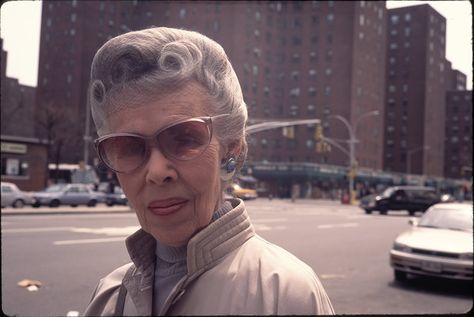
x=352, y=137
x=352, y=141
x=409, y=154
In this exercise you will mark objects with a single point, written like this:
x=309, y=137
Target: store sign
x=13, y=148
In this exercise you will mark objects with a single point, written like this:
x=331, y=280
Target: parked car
x=14, y=197
x=67, y=194
x=116, y=198
x=410, y=198
x=439, y=244
x=243, y=193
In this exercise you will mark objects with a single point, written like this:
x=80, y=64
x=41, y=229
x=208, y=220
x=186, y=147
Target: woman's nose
x=160, y=170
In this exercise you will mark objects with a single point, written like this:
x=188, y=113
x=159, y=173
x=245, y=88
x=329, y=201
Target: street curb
x=62, y=212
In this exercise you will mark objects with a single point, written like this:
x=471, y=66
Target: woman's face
x=172, y=199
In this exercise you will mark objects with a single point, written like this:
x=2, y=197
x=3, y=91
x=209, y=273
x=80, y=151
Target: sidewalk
x=66, y=210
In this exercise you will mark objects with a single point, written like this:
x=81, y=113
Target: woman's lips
x=166, y=207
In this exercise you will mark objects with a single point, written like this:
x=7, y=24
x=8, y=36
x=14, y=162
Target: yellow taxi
x=243, y=193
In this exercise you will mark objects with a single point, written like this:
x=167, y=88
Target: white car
x=14, y=197
x=439, y=244
x=67, y=194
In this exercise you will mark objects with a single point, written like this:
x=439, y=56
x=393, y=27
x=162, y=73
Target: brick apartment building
x=294, y=59
x=23, y=157
x=418, y=77
x=458, y=144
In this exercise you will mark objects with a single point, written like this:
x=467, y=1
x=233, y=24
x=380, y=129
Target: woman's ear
x=232, y=149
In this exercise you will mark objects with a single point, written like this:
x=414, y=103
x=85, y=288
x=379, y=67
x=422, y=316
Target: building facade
x=327, y=60
x=18, y=104
x=418, y=76
x=299, y=59
x=458, y=143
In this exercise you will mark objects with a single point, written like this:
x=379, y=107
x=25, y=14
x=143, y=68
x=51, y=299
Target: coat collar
x=209, y=245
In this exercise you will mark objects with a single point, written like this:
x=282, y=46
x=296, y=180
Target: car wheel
x=36, y=205
x=411, y=212
x=54, y=203
x=383, y=211
x=92, y=203
x=368, y=211
x=400, y=276
x=109, y=203
x=18, y=203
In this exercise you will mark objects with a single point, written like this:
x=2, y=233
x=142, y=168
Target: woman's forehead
x=160, y=111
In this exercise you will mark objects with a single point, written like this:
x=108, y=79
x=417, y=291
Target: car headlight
x=401, y=247
x=466, y=256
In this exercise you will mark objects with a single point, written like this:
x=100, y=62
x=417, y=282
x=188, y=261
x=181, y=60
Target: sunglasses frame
x=208, y=120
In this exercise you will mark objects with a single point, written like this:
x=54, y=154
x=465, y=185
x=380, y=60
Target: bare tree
x=52, y=122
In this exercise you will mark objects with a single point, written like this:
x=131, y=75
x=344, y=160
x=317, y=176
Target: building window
x=393, y=46
x=182, y=13
x=327, y=90
x=255, y=70
x=407, y=17
x=361, y=19
x=394, y=19
x=295, y=75
x=330, y=17
x=14, y=167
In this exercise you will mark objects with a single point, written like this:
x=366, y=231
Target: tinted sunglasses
x=183, y=141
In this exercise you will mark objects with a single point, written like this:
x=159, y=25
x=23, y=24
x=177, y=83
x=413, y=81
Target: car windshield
x=54, y=189
x=388, y=192
x=446, y=218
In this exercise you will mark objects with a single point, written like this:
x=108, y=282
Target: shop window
x=14, y=167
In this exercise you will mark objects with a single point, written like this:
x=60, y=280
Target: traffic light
x=289, y=132
x=318, y=133
x=322, y=147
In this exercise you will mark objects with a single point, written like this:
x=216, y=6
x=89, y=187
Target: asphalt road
x=68, y=253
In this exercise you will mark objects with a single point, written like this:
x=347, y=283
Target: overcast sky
x=21, y=20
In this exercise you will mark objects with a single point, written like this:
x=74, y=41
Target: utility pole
x=351, y=142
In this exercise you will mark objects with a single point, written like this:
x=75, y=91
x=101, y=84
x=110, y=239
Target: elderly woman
x=171, y=119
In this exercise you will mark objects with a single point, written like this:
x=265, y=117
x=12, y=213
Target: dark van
x=409, y=198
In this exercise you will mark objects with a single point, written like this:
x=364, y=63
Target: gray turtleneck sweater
x=170, y=265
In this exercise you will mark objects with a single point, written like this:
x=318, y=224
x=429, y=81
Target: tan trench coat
x=231, y=271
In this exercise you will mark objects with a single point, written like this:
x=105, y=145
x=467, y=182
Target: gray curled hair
x=134, y=67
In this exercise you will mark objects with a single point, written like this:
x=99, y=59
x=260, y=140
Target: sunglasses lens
x=186, y=140
x=123, y=153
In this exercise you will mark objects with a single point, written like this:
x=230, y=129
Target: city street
x=69, y=253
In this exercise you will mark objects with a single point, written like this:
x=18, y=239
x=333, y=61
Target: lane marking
x=270, y=220
x=28, y=230
x=338, y=225
x=262, y=227
x=109, y=231
x=330, y=276
x=85, y=241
